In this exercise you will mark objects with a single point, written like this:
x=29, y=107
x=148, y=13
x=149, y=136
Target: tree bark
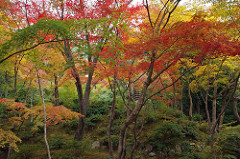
x=7, y=81
x=174, y=96
x=190, y=100
x=111, y=118
x=235, y=110
x=56, y=93
x=214, y=107
x=205, y=99
x=45, y=114
x=130, y=118
x=26, y=94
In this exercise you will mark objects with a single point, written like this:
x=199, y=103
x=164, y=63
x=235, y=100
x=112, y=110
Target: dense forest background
x=119, y=79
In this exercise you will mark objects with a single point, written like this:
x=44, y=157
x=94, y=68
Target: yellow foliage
x=9, y=138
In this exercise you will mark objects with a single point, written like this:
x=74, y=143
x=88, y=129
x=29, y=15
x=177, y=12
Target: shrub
x=228, y=142
x=165, y=136
x=56, y=143
x=93, y=119
x=27, y=151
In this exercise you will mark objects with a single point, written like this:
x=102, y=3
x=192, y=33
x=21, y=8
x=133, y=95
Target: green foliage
x=165, y=136
x=115, y=139
x=66, y=155
x=72, y=144
x=70, y=126
x=68, y=97
x=3, y=110
x=25, y=134
x=98, y=107
x=56, y=143
x=93, y=119
x=174, y=129
x=228, y=142
x=34, y=34
x=28, y=151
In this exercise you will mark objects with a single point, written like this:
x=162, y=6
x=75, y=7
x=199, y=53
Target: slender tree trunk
x=212, y=144
x=16, y=67
x=181, y=102
x=130, y=119
x=221, y=119
x=56, y=93
x=31, y=104
x=235, y=110
x=214, y=107
x=198, y=105
x=174, y=96
x=111, y=118
x=6, y=79
x=214, y=118
x=190, y=100
x=15, y=80
x=205, y=99
x=26, y=94
x=81, y=123
x=136, y=134
x=45, y=115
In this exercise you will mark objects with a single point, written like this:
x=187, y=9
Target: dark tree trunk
x=7, y=81
x=174, y=96
x=235, y=110
x=190, y=100
x=26, y=94
x=130, y=119
x=81, y=123
x=56, y=93
x=111, y=118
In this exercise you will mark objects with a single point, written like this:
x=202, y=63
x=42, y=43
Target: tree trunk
x=130, y=119
x=174, y=96
x=6, y=79
x=111, y=118
x=45, y=115
x=81, y=123
x=235, y=110
x=31, y=104
x=181, y=102
x=205, y=99
x=191, y=102
x=26, y=94
x=15, y=82
x=198, y=105
x=214, y=107
x=212, y=144
x=221, y=120
x=56, y=93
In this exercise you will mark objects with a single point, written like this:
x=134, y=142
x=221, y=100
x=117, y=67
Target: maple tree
x=19, y=113
x=143, y=52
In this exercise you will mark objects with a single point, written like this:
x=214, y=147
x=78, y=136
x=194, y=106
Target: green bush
x=68, y=96
x=115, y=139
x=3, y=113
x=228, y=141
x=56, y=143
x=28, y=151
x=67, y=154
x=165, y=136
x=93, y=119
x=25, y=135
x=72, y=144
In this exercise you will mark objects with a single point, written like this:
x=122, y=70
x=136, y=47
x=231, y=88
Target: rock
x=95, y=145
x=149, y=148
x=178, y=148
x=152, y=154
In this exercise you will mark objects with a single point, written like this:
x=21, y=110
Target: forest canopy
x=119, y=79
